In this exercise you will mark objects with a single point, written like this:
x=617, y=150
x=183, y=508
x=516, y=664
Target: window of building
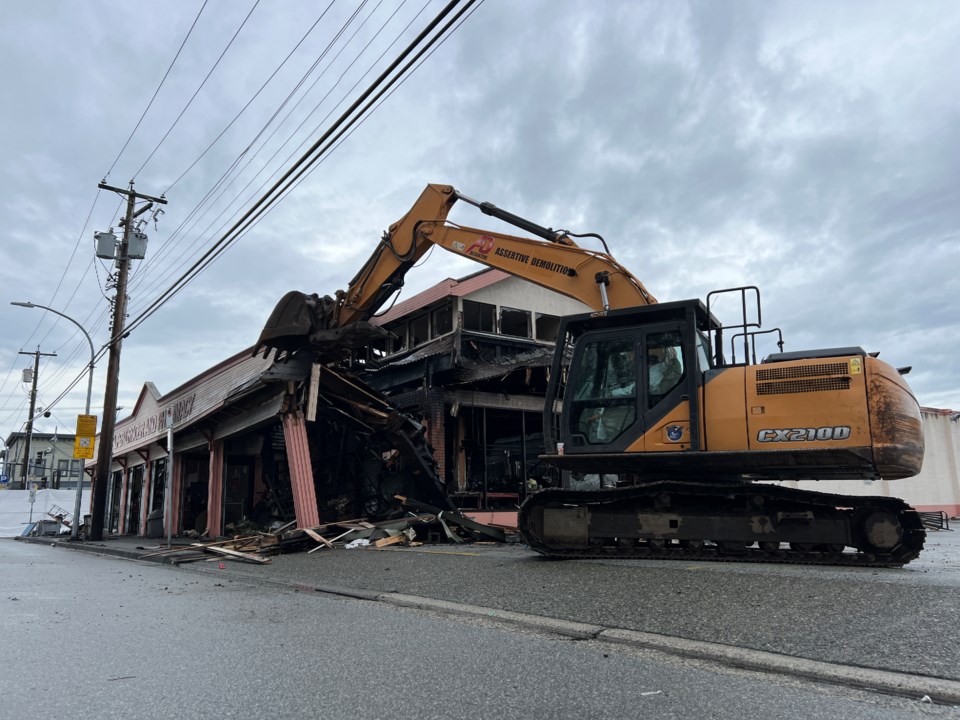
x=441, y=320
x=515, y=322
x=419, y=330
x=400, y=341
x=547, y=327
x=378, y=349
x=478, y=316
x=158, y=484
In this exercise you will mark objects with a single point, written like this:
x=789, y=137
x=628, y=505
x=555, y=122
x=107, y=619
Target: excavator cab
x=629, y=383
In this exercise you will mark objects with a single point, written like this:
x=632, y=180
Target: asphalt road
x=154, y=641
x=904, y=620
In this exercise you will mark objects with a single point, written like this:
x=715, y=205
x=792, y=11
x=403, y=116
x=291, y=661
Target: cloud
x=807, y=149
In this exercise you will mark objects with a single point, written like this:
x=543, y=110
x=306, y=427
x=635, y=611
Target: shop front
x=227, y=465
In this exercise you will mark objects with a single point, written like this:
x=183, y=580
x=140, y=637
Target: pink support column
x=215, y=491
x=146, y=487
x=174, y=513
x=124, y=490
x=301, y=472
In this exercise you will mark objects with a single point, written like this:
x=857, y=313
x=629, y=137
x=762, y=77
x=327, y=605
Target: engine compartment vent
x=822, y=384
x=802, y=371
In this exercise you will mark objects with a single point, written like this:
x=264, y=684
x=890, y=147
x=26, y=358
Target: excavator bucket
x=306, y=322
x=290, y=324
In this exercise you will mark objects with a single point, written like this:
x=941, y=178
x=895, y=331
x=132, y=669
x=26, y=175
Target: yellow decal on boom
x=856, y=366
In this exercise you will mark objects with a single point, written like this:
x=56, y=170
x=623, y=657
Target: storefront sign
x=156, y=423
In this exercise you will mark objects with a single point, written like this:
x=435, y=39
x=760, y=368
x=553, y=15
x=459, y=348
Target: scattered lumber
x=245, y=556
x=423, y=522
x=250, y=548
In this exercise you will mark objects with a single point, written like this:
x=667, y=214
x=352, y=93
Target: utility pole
x=105, y=451
x=33, y=405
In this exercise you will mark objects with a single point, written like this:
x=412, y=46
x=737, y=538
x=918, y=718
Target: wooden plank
x=232, y=553
x=318, y=537
x=393, y=540
x=313, y=390
x=168, y=551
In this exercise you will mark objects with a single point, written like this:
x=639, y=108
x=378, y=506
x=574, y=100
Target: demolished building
x=259, y=442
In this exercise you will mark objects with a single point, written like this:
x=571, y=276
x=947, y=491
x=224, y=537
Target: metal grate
x=935, y=520
x=802, y=371
x=784, y=387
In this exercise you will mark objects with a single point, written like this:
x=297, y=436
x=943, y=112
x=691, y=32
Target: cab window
x=604, y=391
x=665, y=367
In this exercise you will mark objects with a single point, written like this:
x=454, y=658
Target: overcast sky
x=812, y=149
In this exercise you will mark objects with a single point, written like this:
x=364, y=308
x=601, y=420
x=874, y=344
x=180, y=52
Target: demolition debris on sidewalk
x=423, y=524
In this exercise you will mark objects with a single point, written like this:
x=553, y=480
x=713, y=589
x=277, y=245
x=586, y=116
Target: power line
x=254, y=97
x=336, y=135
x=310, y=157
x=197, y=91
x=221, y=182
x=157, y=91
x=205, y=200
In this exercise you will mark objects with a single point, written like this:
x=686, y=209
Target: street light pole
x=75, y=529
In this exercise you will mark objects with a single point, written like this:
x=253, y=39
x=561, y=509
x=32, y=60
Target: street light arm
x=76, y=507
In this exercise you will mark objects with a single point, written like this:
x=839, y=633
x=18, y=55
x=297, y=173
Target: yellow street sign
x=87, y=425
x=86, y=433
x=83, y=448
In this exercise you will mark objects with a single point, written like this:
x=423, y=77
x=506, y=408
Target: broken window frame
x=512, y=318
x=416, y=324
x=546, y=327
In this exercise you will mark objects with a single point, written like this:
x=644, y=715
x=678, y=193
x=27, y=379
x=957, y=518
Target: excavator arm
x=552, y=260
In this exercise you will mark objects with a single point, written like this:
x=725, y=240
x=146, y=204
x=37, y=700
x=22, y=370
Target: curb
x=579, y=631
x=913, y=687
x=82, y=547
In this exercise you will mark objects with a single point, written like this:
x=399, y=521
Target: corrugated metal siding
x=301, y=472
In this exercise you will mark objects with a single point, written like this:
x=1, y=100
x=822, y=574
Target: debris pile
x=251, y=548
x=415, y=529
x=423, y=524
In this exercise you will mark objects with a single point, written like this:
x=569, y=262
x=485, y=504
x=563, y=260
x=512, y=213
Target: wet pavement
x=903, y=620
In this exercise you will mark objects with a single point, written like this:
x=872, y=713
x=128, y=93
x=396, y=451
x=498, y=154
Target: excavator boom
x=555, y=262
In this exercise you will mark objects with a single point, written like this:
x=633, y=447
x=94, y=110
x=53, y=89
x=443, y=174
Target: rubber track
x=909, y=548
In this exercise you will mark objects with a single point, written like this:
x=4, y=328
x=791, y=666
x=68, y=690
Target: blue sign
x=4, y=479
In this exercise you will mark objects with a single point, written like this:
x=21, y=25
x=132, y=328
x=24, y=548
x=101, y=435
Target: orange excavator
x=663, y=440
